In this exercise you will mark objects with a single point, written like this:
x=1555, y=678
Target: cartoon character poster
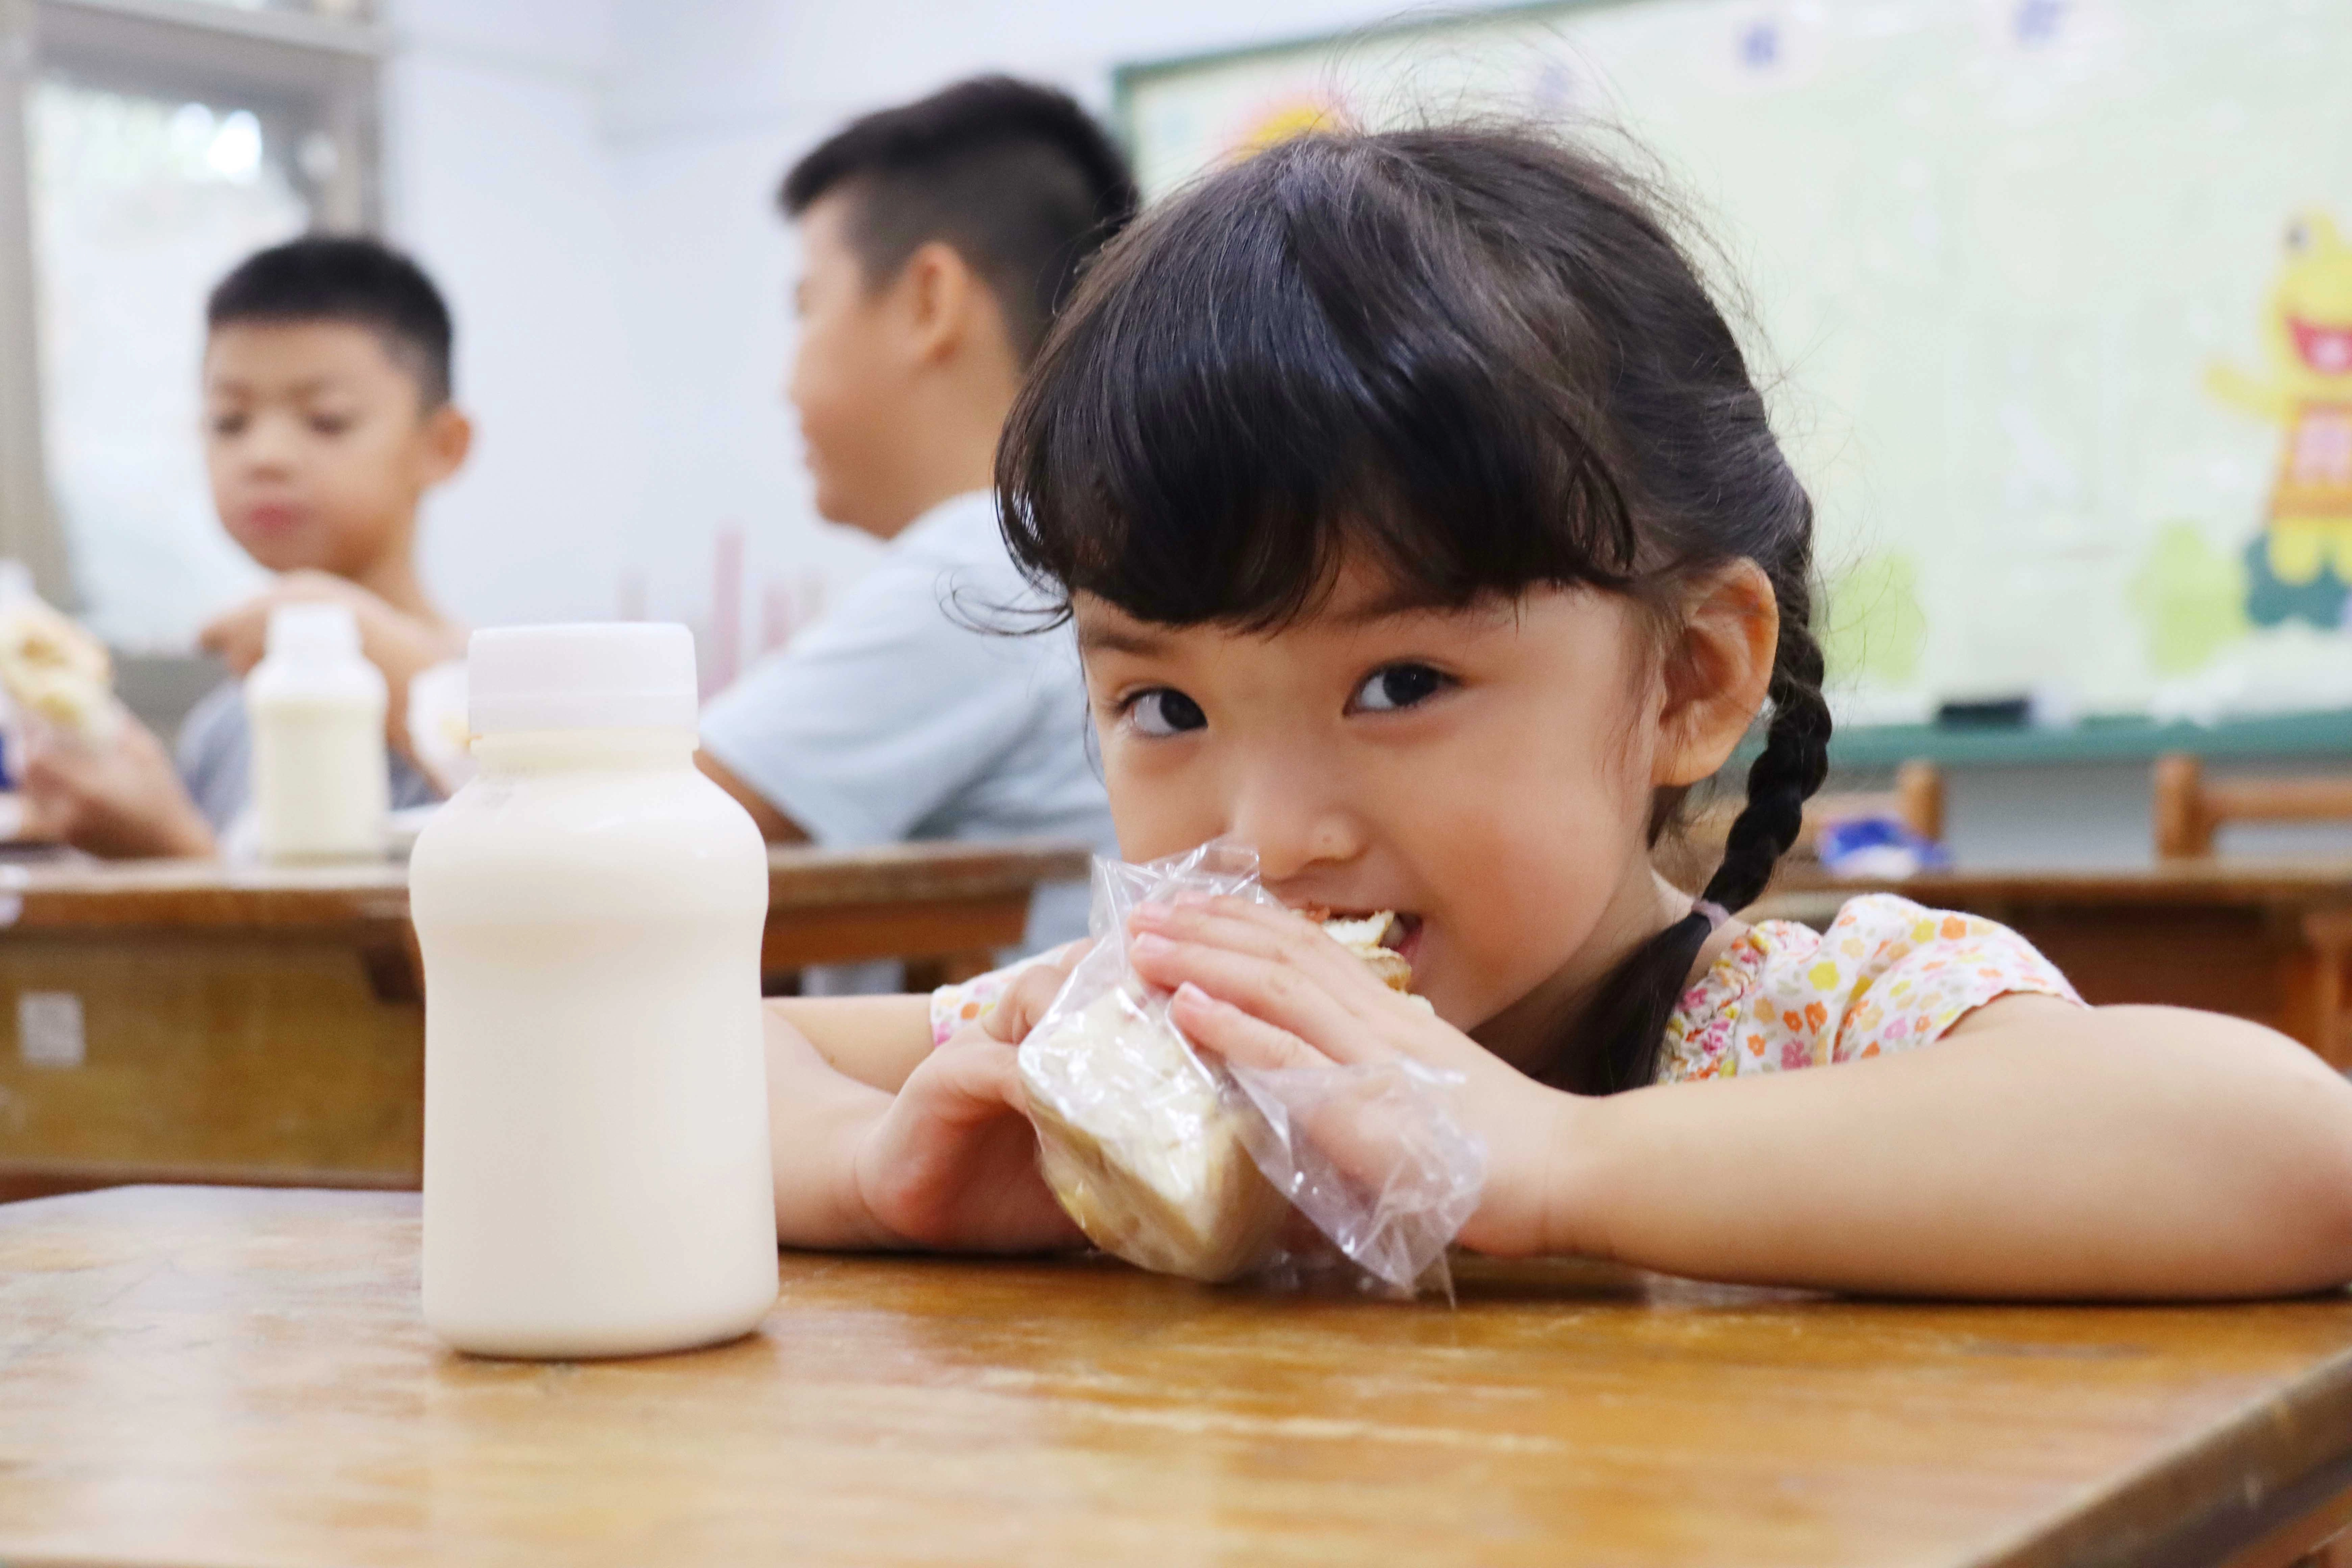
x=1986, y=254
x=2299, y=563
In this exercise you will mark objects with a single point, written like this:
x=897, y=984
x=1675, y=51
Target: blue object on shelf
x=1877, y=847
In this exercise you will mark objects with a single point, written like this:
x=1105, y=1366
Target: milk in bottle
x=590, y=907
x=315, y=705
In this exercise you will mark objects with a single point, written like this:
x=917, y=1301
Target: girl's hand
x=1265, y=988
x=953, y=1162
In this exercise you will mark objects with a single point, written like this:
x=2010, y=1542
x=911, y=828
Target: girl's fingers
x=1268, y=989
x=1032, y=992
x=971, y=1078
x=1241, y=925
x=1288, y=973
x=1235, y=921
x=1224, y=1030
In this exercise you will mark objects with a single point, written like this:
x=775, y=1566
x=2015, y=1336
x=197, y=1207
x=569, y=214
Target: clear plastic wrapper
x=1181, y=1164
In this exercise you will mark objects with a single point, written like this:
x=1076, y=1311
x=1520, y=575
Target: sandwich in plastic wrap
x=1182, y=1165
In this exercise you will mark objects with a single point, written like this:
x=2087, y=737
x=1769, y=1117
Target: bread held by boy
x=54, y=669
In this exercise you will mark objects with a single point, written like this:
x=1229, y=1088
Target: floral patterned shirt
x=1888, y=975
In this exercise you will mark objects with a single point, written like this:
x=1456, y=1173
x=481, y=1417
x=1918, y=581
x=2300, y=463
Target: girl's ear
x=1718, y=671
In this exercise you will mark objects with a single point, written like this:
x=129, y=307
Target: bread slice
x=52, y=668
x=1140, y=1139
x=1368, y=937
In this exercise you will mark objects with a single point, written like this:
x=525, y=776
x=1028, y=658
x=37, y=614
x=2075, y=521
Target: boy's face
x=319, y=444
x=848, y=374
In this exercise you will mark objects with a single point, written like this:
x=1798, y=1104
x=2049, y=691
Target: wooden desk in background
x=240, y=1377
x=180, y=1021
x=2266, y=942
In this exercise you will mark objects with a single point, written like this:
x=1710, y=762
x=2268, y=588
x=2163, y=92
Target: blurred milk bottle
x=590, y=907
x=321, y=789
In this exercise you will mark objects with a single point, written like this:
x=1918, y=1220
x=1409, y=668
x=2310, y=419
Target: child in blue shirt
x=327, y=418
x=937, y=239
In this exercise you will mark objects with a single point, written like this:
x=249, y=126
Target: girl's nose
x=1295, y=829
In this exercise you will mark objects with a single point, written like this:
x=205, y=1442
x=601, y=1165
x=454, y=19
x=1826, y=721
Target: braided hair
x=1474, y=356
x=1629, y=1016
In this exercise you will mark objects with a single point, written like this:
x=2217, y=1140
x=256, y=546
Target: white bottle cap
x=613, y=675
x=309, y=634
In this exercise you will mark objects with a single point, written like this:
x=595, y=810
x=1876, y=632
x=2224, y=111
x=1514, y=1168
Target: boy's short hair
x=1017, y=178
x=346, y=278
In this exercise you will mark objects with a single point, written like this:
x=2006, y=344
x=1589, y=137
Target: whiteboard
x=2056, y=318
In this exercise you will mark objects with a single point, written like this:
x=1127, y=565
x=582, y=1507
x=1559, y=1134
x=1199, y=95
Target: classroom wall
x=497, y=177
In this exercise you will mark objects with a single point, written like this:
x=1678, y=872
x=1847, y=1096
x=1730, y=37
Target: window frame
x=323, y=67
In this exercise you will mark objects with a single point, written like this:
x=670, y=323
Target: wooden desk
x=185, y=1021
x=240, y=1378
x=2270, y=941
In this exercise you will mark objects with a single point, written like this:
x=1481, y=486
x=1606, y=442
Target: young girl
x=1422, y=528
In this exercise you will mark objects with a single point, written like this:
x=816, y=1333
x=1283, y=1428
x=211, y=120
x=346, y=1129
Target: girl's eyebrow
x=1411, y=599
x=1404, y=599
x=1120, y=639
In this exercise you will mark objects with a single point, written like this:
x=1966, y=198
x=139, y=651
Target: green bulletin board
x=2052, y=293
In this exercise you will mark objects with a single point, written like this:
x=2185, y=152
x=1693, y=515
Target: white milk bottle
x=589, y=908
x=321, y=790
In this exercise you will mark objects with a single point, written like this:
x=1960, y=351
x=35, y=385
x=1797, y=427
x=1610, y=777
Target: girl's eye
x=228, y=423
x=1163, y=710
x=329, y=423
x=1396, y=685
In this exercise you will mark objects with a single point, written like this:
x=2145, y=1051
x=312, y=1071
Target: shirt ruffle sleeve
x=972, y=1000
x=1888, y=975
x=1915, y=971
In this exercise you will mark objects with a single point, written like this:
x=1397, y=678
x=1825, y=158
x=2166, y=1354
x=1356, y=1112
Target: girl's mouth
x=1402, y=936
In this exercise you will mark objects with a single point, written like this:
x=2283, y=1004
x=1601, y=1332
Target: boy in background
x=937, y=239
x=327, y=418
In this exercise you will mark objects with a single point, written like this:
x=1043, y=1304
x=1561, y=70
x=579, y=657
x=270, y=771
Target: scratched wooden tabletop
x=239, y=1377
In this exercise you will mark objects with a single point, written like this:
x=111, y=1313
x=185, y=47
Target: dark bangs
x=1322, y=351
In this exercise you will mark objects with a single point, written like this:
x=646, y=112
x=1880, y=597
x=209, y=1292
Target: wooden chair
x=2190, y=807
x=1916, y=801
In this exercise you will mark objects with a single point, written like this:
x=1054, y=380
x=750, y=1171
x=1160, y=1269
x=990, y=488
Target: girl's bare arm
x=877, y=1041
x=2041, y=1150
x=817, y=1117
x=944, y=1159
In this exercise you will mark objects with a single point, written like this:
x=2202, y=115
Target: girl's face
x=1485, y=773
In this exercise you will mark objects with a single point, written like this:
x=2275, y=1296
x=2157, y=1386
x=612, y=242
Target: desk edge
x=2282, y=1457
